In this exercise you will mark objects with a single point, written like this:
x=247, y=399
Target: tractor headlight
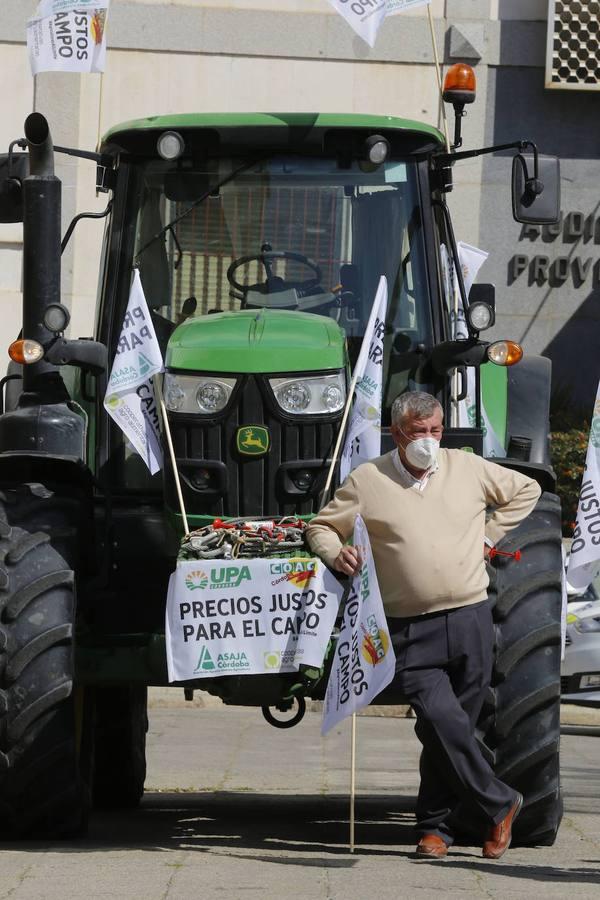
x=480, y=315
x=193, y=394
x=319, y=395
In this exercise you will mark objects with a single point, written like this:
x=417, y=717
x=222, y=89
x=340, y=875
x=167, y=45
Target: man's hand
x=486, y=551
x=348, y=561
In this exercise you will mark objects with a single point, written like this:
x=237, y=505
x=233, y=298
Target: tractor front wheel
x=45, y=752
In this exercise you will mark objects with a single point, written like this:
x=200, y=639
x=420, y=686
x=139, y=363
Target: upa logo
x=205, y=662
x=196, y=580
x=375, y=643
x=229, y=576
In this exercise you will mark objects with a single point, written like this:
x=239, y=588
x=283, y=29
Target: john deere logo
x=253, y=440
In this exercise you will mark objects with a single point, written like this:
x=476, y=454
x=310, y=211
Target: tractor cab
x=260, y=243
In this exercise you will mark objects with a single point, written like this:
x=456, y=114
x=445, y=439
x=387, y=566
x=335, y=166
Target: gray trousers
x=443, y=667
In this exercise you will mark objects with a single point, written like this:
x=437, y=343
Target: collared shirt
x=408, y=480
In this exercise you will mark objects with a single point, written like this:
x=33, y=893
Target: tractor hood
x=257, y=341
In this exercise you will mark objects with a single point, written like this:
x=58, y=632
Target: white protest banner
x=471, y=259
x=364, y=661
x=248, y=617
x=68, y=36
x=363, y=16
x=363, y=438
x=130, y=399
x=584, y=559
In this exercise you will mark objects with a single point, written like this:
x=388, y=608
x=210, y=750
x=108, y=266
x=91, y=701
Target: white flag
x=363, y=438
x=68, y=36
x=130, y=399
x=399, y=6
x=471, y=260
x=364, y=661
x=365, y=16
x=584, y=560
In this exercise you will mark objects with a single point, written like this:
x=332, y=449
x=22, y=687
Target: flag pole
x=157, y=379
x=349, y=398
x=438, y=73
x=100, y=99
x=352, y=779
x=340, y=436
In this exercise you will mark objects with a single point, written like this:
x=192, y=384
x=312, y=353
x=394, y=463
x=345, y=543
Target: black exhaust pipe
x=41, y=258
x=39, y=144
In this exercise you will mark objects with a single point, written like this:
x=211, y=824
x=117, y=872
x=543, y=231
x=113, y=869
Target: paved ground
x=236, y=809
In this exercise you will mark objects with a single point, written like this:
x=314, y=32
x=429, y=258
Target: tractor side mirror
x=536, y=196
x=14, y=167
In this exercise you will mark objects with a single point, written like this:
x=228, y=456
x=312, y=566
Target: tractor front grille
x=218, y=480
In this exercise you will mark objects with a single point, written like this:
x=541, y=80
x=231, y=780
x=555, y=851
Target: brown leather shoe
x=432, y=846
x=498, y=840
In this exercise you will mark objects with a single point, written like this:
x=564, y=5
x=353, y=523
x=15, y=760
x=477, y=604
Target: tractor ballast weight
x=259, y=240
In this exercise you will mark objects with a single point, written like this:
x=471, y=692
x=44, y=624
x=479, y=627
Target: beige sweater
x=427, y=546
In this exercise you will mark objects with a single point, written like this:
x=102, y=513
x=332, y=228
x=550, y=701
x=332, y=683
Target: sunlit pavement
x=235, y=808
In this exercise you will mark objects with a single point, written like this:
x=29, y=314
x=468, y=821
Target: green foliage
x=568, y=449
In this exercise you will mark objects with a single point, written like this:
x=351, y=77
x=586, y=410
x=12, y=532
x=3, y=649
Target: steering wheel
x=274, y=283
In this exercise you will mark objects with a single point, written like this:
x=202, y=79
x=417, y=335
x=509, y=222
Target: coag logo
x=298, y=571
x=205, y=662
x=375, y=643
x=196, y=580
x=272, y=659
x=253, y=440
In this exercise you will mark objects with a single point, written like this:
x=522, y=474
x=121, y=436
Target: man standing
x=425, y=511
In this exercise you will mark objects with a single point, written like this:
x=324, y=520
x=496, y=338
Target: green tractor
x=260, y=240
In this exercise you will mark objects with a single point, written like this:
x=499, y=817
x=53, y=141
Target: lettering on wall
x=577, y=235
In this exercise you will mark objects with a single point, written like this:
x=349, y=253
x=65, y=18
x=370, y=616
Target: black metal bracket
x=84, y=215
x=442, y=160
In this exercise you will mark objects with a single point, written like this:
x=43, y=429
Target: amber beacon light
x=459, y=89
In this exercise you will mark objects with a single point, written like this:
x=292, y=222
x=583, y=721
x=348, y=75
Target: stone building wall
x=299, y=55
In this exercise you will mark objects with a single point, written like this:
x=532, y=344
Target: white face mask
x=422, y=453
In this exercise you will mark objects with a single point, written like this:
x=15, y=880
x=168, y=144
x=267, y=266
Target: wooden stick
x=438, y=73
x=100, y=99
x=157, y=381
x=348, y=406
x=352, y=779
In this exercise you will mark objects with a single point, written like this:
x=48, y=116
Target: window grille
x=573, y=45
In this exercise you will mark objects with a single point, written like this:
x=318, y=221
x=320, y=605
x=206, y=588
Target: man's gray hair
x=414, y=405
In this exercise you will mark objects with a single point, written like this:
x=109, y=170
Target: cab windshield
x=293, y=233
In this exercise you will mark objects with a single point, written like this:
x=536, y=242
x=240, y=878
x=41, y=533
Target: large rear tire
x=120, y=746
x=43, y=731
x=521, y=720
